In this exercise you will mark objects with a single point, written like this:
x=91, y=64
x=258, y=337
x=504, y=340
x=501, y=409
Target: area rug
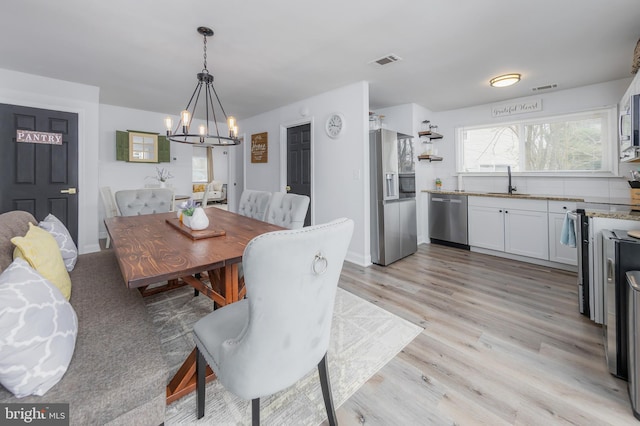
x=364, y=338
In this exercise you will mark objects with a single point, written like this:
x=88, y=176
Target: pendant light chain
x=205, y=54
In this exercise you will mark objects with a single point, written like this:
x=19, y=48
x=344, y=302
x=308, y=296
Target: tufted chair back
x=287, y=210
x=254, y=204
x=133, y=202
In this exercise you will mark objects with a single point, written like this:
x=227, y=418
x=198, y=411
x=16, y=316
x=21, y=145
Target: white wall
x=339, y=166
x=559, y=102
x=124, y=175
x=39, y=92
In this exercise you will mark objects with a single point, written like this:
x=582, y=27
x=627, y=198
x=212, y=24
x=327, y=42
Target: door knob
x=288, y=188
x=68, y=191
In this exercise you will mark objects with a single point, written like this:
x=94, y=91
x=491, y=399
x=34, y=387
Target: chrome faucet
x=510, y=188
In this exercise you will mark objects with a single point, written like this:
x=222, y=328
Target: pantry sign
x=30, y=136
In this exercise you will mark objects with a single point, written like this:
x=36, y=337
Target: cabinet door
x=558, y=252
x=526, y=233
x=486, y=227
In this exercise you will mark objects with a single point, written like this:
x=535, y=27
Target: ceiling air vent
x=387, y=59
x=547, y=87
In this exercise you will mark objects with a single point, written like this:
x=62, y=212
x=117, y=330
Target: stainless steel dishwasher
x=448, y=219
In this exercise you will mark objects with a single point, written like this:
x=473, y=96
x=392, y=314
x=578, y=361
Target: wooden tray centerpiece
x=193, y=234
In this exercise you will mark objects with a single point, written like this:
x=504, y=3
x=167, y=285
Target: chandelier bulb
x=185, y=117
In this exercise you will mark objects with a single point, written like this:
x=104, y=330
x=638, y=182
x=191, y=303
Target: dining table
x=158, y=248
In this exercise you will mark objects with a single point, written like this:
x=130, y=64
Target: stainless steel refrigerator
x=394, y=232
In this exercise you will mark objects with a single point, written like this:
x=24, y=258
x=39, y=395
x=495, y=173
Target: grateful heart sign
x=30, y=136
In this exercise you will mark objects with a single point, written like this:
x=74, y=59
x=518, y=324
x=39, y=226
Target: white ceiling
x=265, y=54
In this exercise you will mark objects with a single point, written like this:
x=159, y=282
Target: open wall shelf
x=429, y=157
x=429, y=135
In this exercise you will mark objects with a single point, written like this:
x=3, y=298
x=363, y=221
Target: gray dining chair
x=254, y=204
x=133, y=202
x=269, y=341
x=287, y=210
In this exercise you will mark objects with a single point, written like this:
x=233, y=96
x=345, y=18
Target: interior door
x=299, y=163
x=36, y=176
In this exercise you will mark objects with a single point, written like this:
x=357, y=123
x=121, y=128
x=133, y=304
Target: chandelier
x=206, y=135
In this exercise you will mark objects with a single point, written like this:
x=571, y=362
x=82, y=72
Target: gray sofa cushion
x=12, y=224
x=117, y=368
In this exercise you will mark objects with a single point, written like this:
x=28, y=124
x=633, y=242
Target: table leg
x=184, y=382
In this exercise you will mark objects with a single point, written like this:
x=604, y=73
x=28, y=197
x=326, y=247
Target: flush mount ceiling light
x=504, y=80
x=206, y=135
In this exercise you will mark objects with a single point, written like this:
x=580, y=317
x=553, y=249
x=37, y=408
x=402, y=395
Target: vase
x=163, y=184
x=199, y=220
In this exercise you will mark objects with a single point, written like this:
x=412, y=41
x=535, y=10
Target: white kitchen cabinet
x=526, y=233
x=486, y=227
x=516, y=226
x=559, y=252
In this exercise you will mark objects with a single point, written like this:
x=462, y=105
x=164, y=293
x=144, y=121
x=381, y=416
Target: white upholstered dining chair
x=133, y=202
x=269, y=341
x=110, y=207
x=287, y=210
x=254, y=204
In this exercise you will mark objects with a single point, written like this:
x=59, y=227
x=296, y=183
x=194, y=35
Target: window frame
x=610, y=153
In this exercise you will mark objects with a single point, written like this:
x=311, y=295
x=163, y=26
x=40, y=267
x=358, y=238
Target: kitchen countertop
x=505, y=195
x=622, y=208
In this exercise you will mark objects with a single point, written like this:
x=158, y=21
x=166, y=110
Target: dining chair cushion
x=273, y=338
x=254, y=204
x=133, y=202
x=287, y=210
x=68, y=248
x=40, y=249
x=38, y=330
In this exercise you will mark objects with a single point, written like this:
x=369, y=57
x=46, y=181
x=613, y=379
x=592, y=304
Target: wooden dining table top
x=150, y=250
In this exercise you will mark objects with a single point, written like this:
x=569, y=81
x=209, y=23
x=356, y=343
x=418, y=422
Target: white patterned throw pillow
x=60, y=232
x=38, y=329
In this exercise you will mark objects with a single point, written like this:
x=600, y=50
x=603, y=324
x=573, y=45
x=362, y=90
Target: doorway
x=35, y=176
x=299, y=163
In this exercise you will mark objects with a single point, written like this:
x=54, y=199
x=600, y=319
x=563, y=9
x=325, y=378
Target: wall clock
x=335, y=125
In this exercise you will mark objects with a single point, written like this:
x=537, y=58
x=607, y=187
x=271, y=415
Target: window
x=200, y=164
x=582, y=142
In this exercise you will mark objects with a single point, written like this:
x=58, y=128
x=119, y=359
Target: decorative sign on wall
x=39, y=137
x=259, y=147
x=513, y=108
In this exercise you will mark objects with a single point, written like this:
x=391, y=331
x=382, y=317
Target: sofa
x=117, y=374
x=215, y=191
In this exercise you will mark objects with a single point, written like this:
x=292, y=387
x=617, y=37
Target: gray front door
x=299, y=163
x=40, y=178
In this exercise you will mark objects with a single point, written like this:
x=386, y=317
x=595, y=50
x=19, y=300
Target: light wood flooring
x=503, y=343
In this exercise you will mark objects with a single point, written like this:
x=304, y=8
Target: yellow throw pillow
x=40, y=249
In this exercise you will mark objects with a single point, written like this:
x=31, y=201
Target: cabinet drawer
x=561, y=206
x=509, y=203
